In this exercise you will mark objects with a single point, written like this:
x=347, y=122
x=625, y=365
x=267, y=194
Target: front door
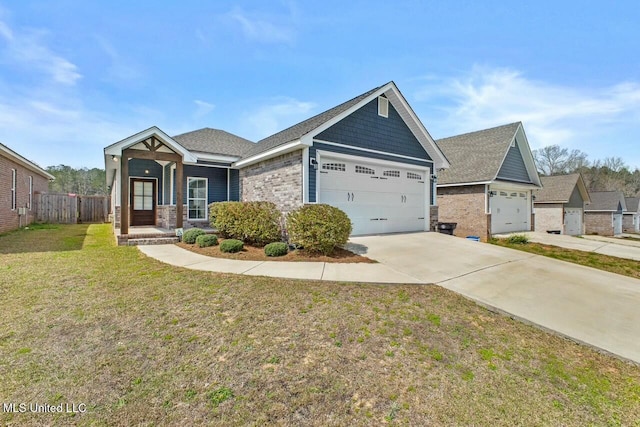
x=143, y=201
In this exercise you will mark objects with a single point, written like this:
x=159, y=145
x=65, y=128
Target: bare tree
x=554, y=160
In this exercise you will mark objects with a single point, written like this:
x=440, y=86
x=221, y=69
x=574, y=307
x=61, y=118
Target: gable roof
x=559, y=188
x=214, y=141
x=303, y=132
x=632, y=204
x=606, y=201
x=8, y=152
x=476, y=157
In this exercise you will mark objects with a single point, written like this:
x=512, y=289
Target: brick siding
x=549, y=216
x=627, y=223
x=464, y=205
x=598, y=223
x=9, y=219
x=277, y=180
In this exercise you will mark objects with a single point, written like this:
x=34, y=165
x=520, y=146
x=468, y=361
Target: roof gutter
x=26, y=163
x=277, y=151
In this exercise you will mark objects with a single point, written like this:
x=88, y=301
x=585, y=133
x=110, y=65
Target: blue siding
x=364, y=128
x=234, y=185
x=513, y=168
x=344, y=150
x=216, y=182
x=575, y=201
x=137, y=168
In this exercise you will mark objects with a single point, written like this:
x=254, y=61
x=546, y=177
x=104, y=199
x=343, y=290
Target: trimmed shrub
x=206, y=240
x=276, y=249
x=191, y=235
x=256, y=223
x=319, y=228
x=518, y=239
x=231, y=245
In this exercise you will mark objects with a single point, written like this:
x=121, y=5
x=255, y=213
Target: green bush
x=518, y=239
x=276, y=249
x=231, y=245
x=206, y=240
x=318, y=228
x=191, y=235
x=256, y=223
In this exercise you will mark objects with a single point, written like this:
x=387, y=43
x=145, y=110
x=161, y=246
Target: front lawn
x=143, y=343
x=626, y=267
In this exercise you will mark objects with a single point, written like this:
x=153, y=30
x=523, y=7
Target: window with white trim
x=365, y=170
x=14, y=180
x=395, y=174
x=334, y=167
x=413, y=175
x=30, y=192
x=383, y=106
x=196, y=198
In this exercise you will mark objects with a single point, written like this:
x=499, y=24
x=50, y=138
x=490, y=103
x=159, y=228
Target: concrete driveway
x=612, y=246
x=588, y=305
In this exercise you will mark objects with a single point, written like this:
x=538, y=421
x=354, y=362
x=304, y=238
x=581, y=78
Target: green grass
x=143, y=343
x=612, y=264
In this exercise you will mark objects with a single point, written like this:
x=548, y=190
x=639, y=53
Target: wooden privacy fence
x=70, y=208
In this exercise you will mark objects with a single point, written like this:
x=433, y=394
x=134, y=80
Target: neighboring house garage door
x=573, y=221
x=377, y=198
x=617, y=223
x=509, y=212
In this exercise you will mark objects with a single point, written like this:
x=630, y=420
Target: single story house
x=20, y=179
x=603, y=215
x=559, y=204
x=631, y=216
x=370, y=156
x=488, y=188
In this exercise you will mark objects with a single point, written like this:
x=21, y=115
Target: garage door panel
x=509, y=212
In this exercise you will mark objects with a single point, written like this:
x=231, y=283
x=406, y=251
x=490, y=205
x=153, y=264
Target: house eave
x=24, y=162
x=276, y=151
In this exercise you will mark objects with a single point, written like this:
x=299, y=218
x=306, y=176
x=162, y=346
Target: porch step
x=153, y=241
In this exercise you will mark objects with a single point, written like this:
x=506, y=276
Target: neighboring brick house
x=488, y=188
x=559, y=205
x=603, y=215
x=20, y=179
x=631, y=216
x=370, y=156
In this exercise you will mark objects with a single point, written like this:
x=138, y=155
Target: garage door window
x=503, y=193
x=394, y=174
x=412, y=175
x=365, y=170
x=334, y=167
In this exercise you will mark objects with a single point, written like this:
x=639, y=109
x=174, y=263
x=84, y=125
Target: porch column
x=179, y=196
x=124, y=195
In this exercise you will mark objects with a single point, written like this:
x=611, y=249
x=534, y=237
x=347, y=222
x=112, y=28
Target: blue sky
x=76, y=76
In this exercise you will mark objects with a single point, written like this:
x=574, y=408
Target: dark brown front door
x=143, y=201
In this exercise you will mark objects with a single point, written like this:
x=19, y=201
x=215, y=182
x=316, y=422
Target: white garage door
x=509, y=212
x=617, y=223
x=377, y=198
x=573, y=221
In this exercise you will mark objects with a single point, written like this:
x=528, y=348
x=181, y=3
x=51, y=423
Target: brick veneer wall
x=464, y=205
x=598, y=223
x=627, y=224
x=277, y=180
x=433, y=218
x=9, y=219
x=549, y=216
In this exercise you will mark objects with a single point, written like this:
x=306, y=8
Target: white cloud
x=202, y=108
x=575, y=117
x=265, y=28
x=27, y=49
x=120, y=68
x=279, y=115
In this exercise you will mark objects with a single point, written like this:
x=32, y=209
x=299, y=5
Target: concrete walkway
x=611, y=246
x=585, y=304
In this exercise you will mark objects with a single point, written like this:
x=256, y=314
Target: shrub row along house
x=20, y=179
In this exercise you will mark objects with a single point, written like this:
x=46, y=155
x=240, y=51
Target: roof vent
x=383, y=106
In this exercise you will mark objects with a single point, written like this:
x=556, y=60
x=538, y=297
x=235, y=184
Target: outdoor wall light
x=114, y=158
x=492, y=193
x=146, y=171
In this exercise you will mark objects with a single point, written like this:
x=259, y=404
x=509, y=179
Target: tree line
x=82, y=181
x=608, y=174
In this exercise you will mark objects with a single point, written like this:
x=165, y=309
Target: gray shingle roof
x=214, y=141
x=632, y=203
x=297, y=131
x=556, y=188
x=605, y=201
x=476, y=156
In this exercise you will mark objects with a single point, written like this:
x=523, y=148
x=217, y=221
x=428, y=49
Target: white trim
x=281, y=149
x=215, y=157
x=332, y=155
x=487, y=206
x=14, y=189
x=305, y=175
x=525, y=153
x=383, y=107
x=206, y=166
x=206, y=198
x=228, y=184
x=465, y=183
x=172, y=184
x=30, y=191
x=368, y=150
x=24, y=162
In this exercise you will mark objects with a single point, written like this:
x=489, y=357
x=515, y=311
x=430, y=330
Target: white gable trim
x=525, y=151
x=117, y=148
x=390, y=90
